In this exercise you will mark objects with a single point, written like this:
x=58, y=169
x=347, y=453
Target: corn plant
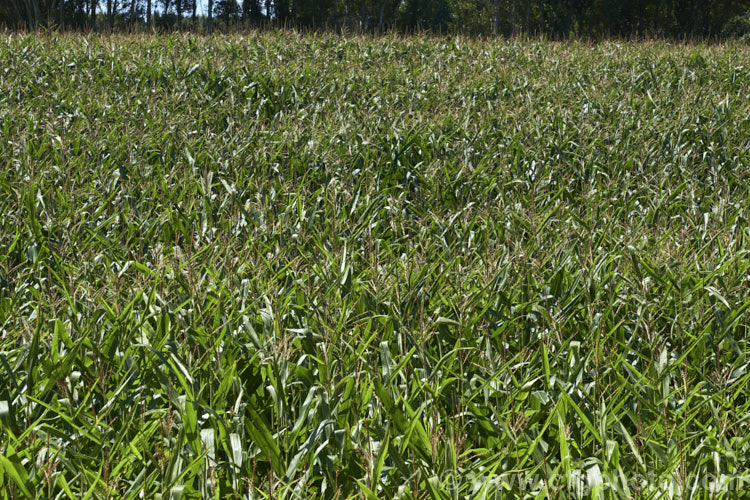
x=292, y=266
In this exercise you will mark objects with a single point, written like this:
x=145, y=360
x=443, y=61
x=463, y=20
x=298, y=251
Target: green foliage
x=227, y=9
x=306, y=266
x=556, y=19
x=738, y=26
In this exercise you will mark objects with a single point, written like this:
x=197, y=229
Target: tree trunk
x=37, y=14
x=541, y=17
x=20, y=10
x=148, y=13
x=515, y=15
x=32, y=13
x=528, y=16
x=111, y=8
x=669, y=18
x=165, y=19
x=93, y=14
x=131, y=14
x=210, y=25
x=52, y=9
x=382, y=14
x=179, y=14
x=195, y=12
x=496, y=23
x=60, y=17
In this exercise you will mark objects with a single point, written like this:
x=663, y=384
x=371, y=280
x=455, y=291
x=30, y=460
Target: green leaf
x=14, y=469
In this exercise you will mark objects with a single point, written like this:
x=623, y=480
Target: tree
x=559, y=18
x=110, y=14
x=312, y=12
x=434, y=15
x=132, y=11
x=474, y=17
x=282, y=11
x=252, y=11
x=228, y=10
x=209, y=26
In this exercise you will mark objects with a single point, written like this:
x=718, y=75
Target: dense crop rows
x=294, y=266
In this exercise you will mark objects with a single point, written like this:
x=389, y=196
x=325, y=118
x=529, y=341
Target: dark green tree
x=419, y=14
x=313, y=12
x=252, y=11
x=227, y=10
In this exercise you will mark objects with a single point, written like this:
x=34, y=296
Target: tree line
x=554, y=18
